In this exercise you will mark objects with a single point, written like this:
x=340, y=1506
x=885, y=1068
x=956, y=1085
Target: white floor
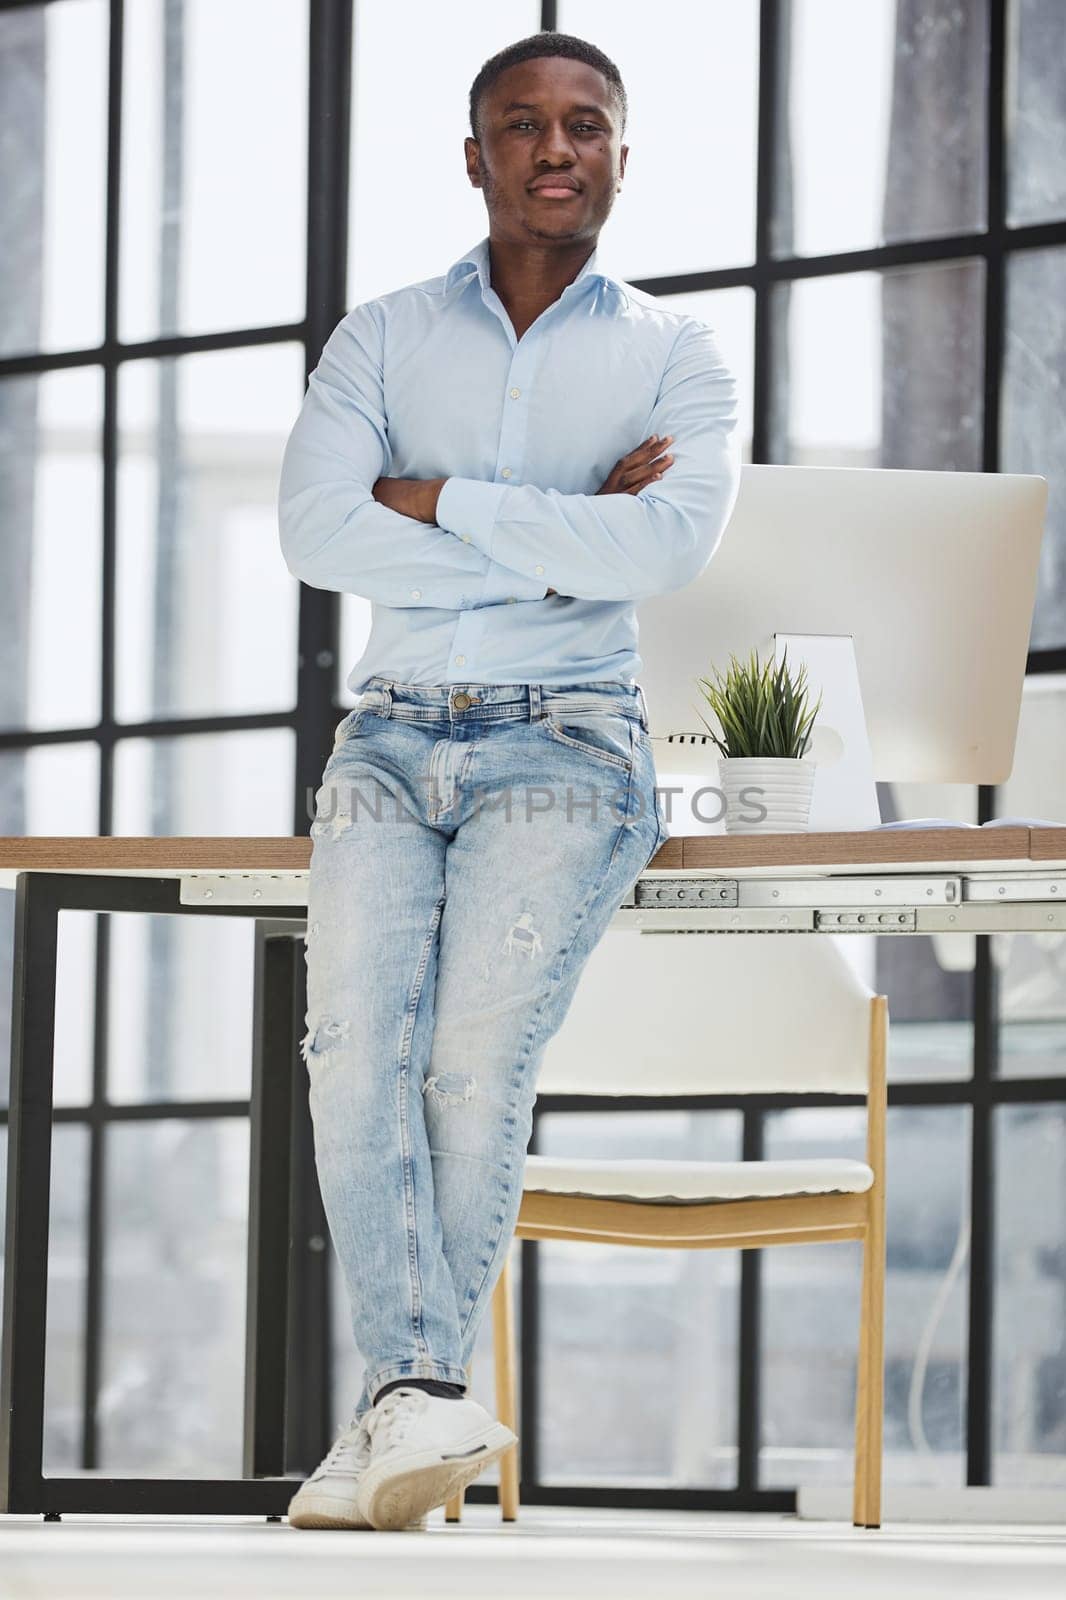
x=549, y=1552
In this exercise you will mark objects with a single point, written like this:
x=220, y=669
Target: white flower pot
x=767, y=794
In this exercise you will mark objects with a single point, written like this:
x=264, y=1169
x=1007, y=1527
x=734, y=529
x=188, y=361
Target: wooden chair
x=742, y=1013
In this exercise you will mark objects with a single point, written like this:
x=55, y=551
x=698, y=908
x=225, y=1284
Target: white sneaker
x=327, y=1499
x=423, y=1449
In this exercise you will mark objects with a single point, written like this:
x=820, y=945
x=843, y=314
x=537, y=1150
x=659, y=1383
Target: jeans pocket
x=349, y=726
x=594, y=730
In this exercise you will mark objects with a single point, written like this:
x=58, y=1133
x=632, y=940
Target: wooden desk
x=982, y=880
x=901, y=850
x=902, y=882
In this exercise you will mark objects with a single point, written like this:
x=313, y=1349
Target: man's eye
x=525, y=123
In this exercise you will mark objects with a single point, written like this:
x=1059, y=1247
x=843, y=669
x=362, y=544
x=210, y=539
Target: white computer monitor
x=933, y=574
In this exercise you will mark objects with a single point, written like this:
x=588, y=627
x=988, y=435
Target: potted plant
x=766, y=733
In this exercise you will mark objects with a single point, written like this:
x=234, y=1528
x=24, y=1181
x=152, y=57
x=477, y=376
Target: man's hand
x=417, y=497
x=411, y=497
x=640, y=467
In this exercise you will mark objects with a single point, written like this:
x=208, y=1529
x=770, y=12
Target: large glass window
x=214, y=155
x=882, y=369
x=206, y=612
x=1036, y=111
x=883, y=109
x=51, y=551
x=151, y=366
x=1030, y=1325
x=53, y=175
x=1034, y=414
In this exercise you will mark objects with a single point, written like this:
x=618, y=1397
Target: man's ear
x=472, y=150
x=623, y=152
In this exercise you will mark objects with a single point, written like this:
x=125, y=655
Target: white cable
x=925, y=1341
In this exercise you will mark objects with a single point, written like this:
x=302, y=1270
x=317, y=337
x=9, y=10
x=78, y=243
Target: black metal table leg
x=40, y=896
x=268, y=1203
x=309, y=1385
x=29, y=1168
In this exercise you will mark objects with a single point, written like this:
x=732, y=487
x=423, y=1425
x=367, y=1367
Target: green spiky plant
x=762, y=711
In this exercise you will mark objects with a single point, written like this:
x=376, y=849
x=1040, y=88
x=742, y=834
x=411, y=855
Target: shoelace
x=389, y=1420
x=348, y=1452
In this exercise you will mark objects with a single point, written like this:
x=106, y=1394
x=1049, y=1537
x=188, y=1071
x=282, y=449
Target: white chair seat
x=693, y=1181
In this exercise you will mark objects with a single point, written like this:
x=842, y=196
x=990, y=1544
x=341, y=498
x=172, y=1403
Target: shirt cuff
x=468, y=508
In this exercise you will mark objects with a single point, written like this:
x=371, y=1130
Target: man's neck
x=529, y=278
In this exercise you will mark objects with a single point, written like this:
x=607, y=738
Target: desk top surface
x=898, y=850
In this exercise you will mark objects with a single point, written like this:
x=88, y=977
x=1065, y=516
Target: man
x=491, y=798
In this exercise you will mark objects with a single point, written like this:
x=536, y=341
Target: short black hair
x=546, y=43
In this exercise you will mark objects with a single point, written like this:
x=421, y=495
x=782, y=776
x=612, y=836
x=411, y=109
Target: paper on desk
x=946, y=822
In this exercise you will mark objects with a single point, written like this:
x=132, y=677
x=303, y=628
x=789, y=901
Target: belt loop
x=643, y=707
x=534, y=702
x=386, y=692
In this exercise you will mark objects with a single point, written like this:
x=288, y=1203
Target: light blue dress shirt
x=429, y=381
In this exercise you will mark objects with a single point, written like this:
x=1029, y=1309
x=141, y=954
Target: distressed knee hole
x=331, y=816
x=326, y=1036
x=450, y=1088
x=522, y=937
x=335, y=824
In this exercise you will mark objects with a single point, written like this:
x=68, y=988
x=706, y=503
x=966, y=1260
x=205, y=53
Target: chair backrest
x=749, y=1013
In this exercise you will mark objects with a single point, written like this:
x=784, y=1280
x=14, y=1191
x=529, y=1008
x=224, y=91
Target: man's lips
x=555, y=188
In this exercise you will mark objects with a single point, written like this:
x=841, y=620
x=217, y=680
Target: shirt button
x=539, y=570
x=460, y=661
x=416, y=594
x=466, y=538
x=515, y=393
x=506, y=473
x=510, y=599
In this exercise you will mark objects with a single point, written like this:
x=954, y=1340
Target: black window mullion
x=749, y=1345
x=97, y=1132
x=770, y=42
x=981, y=1307
x=749, y=1348
x=328, y=123
x=329, y=112
x=982, y=1208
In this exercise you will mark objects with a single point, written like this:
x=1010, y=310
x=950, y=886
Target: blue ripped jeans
x=470, y=847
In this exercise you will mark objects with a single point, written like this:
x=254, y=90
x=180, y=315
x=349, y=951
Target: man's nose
x=556, y=146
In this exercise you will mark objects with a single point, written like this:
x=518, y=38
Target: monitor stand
x=845, y=790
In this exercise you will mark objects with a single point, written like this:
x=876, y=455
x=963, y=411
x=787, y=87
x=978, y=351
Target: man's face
x=544, y=119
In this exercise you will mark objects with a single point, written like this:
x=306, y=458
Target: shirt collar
x=476, y=260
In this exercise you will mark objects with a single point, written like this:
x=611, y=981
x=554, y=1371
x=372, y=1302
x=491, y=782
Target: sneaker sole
x=394, y=1496
x=324, y=1512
